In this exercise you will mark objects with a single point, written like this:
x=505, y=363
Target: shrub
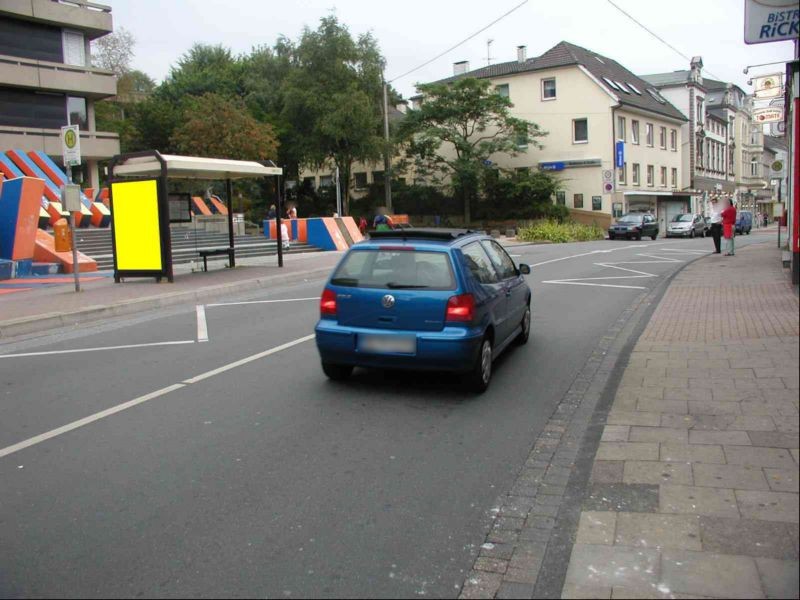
x=559, y=233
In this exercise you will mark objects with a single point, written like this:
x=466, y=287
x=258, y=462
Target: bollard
x=63, y=241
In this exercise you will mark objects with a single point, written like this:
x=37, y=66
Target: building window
x=663, y=176
x=662, y=138
x=731, y=157
x=622, y=173
x=502, y=90
x=76, y=112
x=701, y=113
x=326, y=181
x=754, y=136
x=754, y=167
x=597, y=203
x=649, y=134
x=673, y=140
x=577, y=200
x=561, y=198
x=651, y=170
x=635, y=132
x=522, y=140
x=360, y=180
x=377, y=177
x=674, y=177
x=549, y=89
x=699, y=153
x=74, y=48
x=580, y=131
x=635, y=174
x=621, y=129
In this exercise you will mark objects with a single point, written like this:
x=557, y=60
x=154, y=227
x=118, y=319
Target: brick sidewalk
x=694, y=489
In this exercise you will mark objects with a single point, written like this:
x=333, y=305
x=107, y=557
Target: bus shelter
x=142, y=207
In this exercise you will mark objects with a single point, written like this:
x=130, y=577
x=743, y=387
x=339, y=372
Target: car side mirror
x=524, y=269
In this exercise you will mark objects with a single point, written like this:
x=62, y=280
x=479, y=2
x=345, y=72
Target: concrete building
x=723, y=147
x=775, y=150
x=587, y=103
x=47, y=81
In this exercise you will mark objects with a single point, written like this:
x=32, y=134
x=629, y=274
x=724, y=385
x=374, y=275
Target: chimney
x=461, y=67
x=522, y=53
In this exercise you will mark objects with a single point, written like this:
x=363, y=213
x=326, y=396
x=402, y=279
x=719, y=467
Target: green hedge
x=559, y=233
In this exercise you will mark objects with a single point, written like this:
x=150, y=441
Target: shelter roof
x=192, y=167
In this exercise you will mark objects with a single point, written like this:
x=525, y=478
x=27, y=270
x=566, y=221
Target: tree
x=457, y=130
x=332, y=99
x=114, y=52
x=220, y=127
x=204, y=69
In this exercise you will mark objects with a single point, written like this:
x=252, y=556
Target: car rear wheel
x=691, y=234
x=478, y=378
x=523, y=336
x=337, y=372
x=611, y=236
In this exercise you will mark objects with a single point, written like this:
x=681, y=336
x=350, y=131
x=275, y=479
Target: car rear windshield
x=682, y=219
x=631, y=219
x=395, y=269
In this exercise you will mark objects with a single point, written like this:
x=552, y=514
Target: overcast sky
x=413, y=31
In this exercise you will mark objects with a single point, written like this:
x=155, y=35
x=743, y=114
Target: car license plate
x=387, y=344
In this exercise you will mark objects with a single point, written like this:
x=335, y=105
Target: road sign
x=770, y=21
x=71, y=145
x=777, y=166
x=552, y=166
x=71, y=197
x=768, y=114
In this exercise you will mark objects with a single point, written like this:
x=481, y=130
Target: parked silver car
x=686, y=225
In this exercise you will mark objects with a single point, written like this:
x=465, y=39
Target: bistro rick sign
x=770, y=21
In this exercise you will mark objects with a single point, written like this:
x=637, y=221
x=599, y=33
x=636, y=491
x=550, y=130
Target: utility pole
x=387, y=162
x=75, y=265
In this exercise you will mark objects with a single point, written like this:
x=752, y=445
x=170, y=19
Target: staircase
x=185, y=244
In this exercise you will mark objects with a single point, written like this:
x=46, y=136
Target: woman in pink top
x=729, y=226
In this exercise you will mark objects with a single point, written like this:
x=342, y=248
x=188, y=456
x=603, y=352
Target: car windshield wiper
x=404, y=286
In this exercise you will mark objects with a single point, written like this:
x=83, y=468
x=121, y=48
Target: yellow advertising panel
x=137, y=235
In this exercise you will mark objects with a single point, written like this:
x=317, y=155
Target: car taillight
x=327, y=304
x=460, y=309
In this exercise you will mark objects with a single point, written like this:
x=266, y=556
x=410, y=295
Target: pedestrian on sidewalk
x=272, y=212
x=729, y=227
x=716, y=225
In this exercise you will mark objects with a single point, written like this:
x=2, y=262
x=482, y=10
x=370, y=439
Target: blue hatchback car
x=444, y=300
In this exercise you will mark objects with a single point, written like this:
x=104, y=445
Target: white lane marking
x=202, y=326
x=547, y=262
x=79, y=350
x=87, y=420
x=263, y=301
x=614, y=266
x=249, y=359
x=141, y=399
x=607, y=285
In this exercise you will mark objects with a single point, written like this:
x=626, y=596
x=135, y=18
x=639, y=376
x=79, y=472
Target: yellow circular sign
x=777, y=166
x=70, y=139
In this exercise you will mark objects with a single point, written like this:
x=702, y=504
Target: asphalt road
x=242, y=472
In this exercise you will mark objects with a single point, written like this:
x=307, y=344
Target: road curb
x=29, y=326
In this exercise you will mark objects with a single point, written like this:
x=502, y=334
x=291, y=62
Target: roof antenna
x=489, y=52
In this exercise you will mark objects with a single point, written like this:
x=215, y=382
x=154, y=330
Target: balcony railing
x=94, y=144
x=45, y=75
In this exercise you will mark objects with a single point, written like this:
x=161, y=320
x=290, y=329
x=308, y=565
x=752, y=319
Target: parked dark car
x=634, y=226
x=744, y=222
x=444, y=300
x=686, y=225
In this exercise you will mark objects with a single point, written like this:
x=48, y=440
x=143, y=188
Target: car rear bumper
x=679, y=233
x=452, y=349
